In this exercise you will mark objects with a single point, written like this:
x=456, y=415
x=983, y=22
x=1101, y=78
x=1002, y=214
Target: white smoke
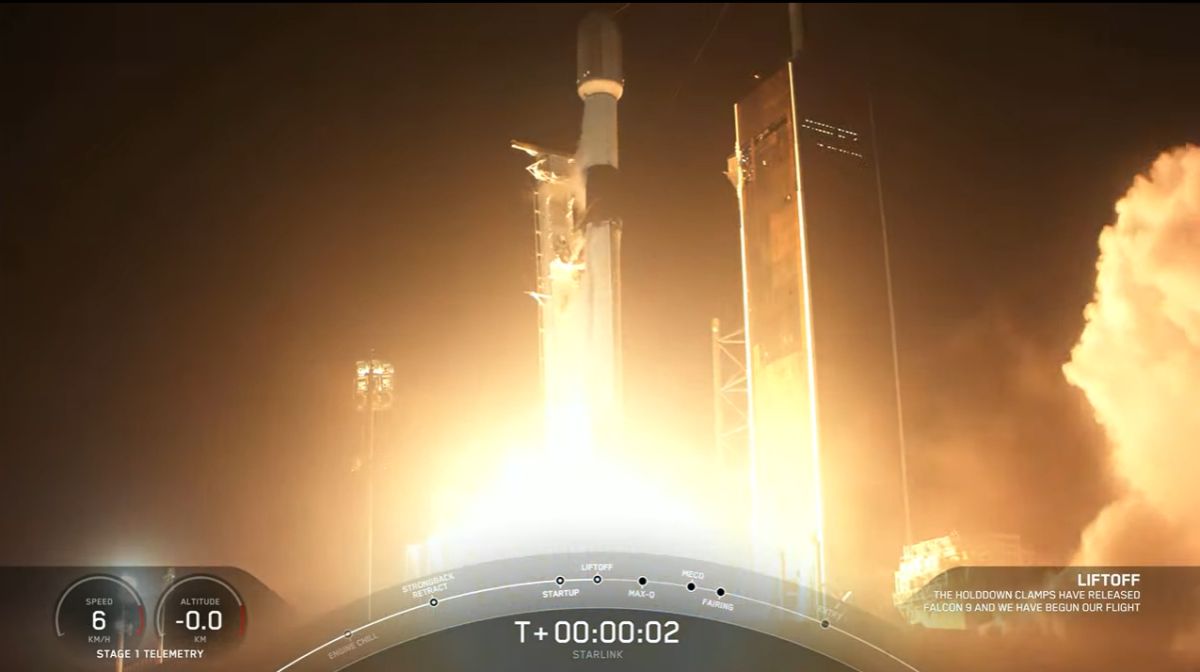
x=1138, y=362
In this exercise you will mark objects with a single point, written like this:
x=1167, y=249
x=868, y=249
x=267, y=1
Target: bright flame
x=543, y=501
x=579, y=491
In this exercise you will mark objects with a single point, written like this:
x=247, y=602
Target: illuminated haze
x=211, y=212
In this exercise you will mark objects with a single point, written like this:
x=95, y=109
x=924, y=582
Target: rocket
x=577, y=251
x=600, y=82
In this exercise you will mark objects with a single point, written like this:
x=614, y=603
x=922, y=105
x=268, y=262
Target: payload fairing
x=578, y=233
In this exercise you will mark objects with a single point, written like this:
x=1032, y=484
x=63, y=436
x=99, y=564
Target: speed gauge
x=99, y=612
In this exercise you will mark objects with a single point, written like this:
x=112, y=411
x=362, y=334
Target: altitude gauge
x=99, y=612
x=200, y=613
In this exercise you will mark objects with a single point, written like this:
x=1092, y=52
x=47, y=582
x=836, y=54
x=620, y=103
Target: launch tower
x=824, y=454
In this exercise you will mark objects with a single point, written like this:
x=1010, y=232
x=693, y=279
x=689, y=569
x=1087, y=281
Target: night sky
x=208, y=213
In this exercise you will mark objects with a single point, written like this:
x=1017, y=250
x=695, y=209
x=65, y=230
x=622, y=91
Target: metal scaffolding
x=730, y=416
x=373, y=390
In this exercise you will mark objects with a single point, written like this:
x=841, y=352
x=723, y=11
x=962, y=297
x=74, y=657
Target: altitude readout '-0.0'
x=201, y=612
x=602, y=632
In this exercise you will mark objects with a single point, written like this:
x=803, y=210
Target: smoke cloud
x=1006, y=442
x=1138, y=363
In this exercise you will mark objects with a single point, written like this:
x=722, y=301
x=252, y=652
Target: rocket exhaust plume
x=1138, y=363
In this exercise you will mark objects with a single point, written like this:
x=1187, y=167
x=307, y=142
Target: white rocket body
x=578, y=257
x=600, y=80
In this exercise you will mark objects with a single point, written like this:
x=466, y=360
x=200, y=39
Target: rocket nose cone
x=599, y=49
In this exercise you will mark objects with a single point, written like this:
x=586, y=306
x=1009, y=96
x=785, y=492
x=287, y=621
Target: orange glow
x=533, y=499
